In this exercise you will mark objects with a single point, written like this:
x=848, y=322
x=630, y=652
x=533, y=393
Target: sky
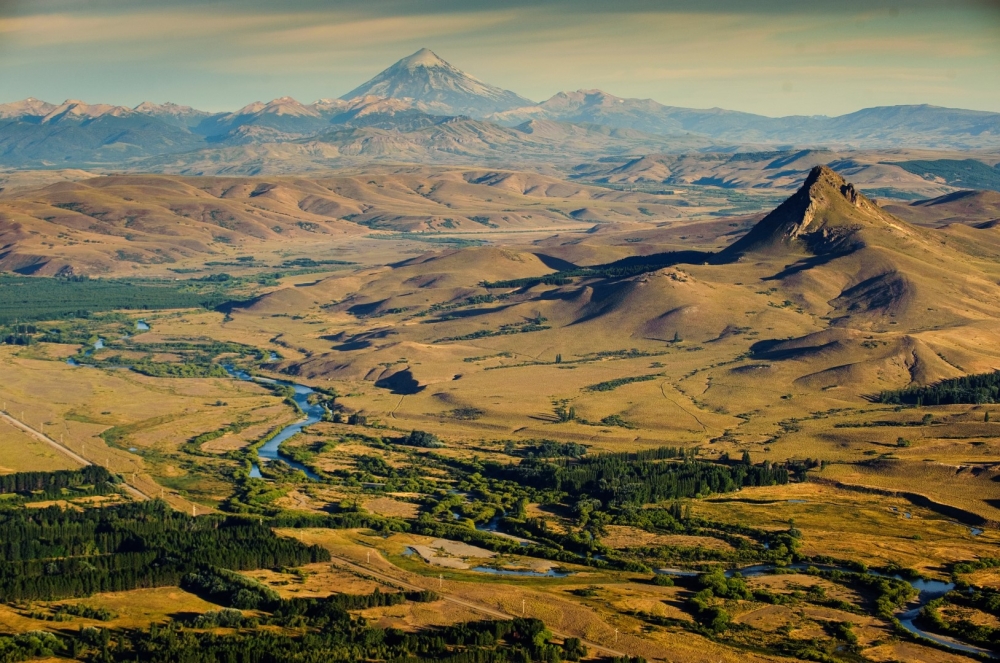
x=773, y=57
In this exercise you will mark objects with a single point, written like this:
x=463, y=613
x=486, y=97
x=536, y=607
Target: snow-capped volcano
x=437, y=86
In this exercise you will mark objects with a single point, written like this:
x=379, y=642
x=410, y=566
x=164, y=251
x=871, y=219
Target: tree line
x=88, y=480
x=332, y=635
x=975, y=389
x=640, y=478
x=34, y=298
x=53, y=553
x=309, y=630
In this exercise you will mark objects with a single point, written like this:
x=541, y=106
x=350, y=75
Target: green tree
x=521, y=508
x=573, y=650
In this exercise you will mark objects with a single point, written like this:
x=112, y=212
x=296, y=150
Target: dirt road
x=42, y=437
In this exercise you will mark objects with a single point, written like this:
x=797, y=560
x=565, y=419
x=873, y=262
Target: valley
x=434, y=371
x=758, y=349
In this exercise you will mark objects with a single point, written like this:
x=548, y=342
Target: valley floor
x=525, y=432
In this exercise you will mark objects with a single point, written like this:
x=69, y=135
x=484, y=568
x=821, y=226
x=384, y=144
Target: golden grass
x=386, y=506
x=974, y=488
x=135, y=609
x=417, y=616
x=19, y=452
x=849, y=525
x=315, y=580
x=985, y=578
x=620, y=537
x=954, y=613
x=908, y=651
x=155, y=417
x=595, y=619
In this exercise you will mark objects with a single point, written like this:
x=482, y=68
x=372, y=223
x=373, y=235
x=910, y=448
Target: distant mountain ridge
x=422, y=90
x=886, y=126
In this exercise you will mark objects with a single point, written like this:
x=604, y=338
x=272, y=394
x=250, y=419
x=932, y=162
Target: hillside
x=968, y=207
x=888, y=127
x=158, y=224
x=825, y=216
x=881, y=173
x=828, y=291
x=76, y=133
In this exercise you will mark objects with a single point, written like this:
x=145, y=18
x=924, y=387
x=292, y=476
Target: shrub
x=419, y=438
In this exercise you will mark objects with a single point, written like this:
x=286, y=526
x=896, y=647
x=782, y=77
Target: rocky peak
x=827, y=214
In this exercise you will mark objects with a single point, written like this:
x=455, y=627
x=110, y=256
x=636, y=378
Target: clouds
x=774, y=57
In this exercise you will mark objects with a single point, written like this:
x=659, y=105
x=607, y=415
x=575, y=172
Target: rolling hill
x=828, y=295
x=123, y=223
x=979, y=208
x=879, y=172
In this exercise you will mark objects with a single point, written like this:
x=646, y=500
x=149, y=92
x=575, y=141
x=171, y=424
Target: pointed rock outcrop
x=826, y=215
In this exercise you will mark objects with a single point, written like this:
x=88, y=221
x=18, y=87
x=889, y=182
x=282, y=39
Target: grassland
x=728, y=363
x=142, y=435
x=20, y=453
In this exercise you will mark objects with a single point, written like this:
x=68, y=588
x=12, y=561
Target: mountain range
x=424, y=109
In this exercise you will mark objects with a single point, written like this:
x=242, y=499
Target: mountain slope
x=77, y=133
x=284, y=115
x=846, y=294
x=835, y=331
x=853, y=263
x=438, y=86
x=415, y=137
x=980, y=208
x=26, y=108
x=181, y=116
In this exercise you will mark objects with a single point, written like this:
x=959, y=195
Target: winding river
x=270, y=450
x=928, y=591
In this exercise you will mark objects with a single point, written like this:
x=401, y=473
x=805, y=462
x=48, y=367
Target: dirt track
x=42, y=437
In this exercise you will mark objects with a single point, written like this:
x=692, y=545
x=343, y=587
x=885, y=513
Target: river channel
x=928, y=591
x=270, y=450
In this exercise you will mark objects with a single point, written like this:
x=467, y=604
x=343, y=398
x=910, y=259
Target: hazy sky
x=774, y=57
